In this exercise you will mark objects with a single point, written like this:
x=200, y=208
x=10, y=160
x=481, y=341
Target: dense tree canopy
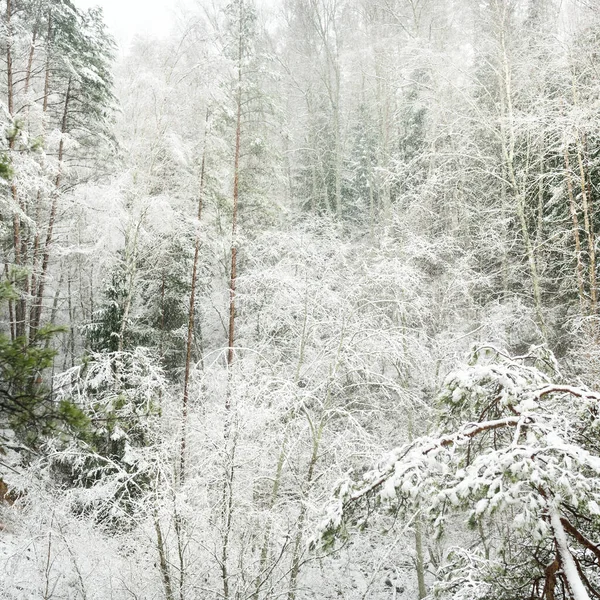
x=238, y=264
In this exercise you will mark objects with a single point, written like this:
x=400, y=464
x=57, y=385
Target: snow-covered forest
x=301, y=301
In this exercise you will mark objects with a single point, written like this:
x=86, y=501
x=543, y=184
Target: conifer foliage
x=238, y=263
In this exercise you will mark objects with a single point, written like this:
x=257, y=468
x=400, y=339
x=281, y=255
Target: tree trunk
x=420, y=560
x=296, y=554
x=190, y=331
x=570, y=570
x=30, y=60
x=236, y=181
x=20, y=303
x=131, y=265
x=227, y=512
x=163, y=563
x=264, y=554
x=229, y=439
x=35, y=323
x=589, y=229
x=54, y=310
x=576, y=237
x=508, y=150
x=11, y=314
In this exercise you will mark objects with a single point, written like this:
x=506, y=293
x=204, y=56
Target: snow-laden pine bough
x=517, y=452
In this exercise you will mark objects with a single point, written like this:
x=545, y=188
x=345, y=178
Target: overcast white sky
x=126, y=18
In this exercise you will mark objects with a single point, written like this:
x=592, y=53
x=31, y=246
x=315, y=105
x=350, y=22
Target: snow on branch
x=511, y=442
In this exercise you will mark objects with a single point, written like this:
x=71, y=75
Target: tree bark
x=19, y=313
x=296, y=554
x=163, y=563
x=229, y=439
x=576, y=237
x=508, y=149
x=35, y=323
x=190, y=331
x=589, y=229
x=236, y=182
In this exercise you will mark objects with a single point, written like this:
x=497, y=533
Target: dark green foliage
x=360, y=193
x=104, y=331
x=6, y=171
x=242, y=27
x=413, y=119
x=121, y=392
x=165, y=297
x=315, y=171
x=80, y=55
x=28, y=407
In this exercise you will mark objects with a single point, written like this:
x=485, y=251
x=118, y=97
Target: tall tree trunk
x=419, y=554
x=163, y=563
x=25, y=232
x=589, y=229
x=587, y=209
x=338, y=156
x=9, y=65
x=236, y=181
x=20, y=303
x=575, y=229
x=227, y=513
x=131, y=266
x=539, y=233
x=508, y=150
x=54, y=310
x=190, y=331
x=296, y=550
x=30, y=60
x=420, y=559
x=11, y=314
x=180, y=550
x=230, y=440
x=161, y=342
x=317, y=434
x=570, y=570
x=264, y=554
x=384, y=123
x=72, y=312
x=35, y=323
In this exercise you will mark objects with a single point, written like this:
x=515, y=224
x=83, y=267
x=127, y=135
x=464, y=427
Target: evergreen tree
x=30, y=410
